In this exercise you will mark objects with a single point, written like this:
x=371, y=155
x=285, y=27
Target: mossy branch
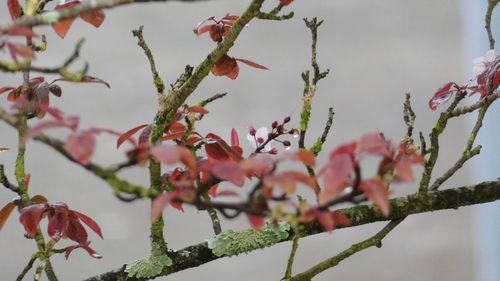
x=158, y=82
x=401, y=207
x=119, y=185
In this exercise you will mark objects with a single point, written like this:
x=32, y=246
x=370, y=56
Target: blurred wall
x=376, y=50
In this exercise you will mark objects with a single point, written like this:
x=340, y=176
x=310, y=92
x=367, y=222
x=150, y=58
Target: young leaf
x=89, y=222
x=128, y=134
x=95, y=17
x=336, y=175
x=378, y=193
x=14, y=9
x=5, y=213
x=81, y=146
x=58, y=222
x=253, y=64
x=70, y=122
x=197, y=109
x=443, y=94
x=31, y=216
x=22, y=31
x=230, y=171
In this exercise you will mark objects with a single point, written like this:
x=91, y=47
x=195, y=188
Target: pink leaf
x=230, y=171
x=336, y=176
x=171, y=154
x=70, y=122
x=378, y=193
x=235, y=141
x=375, y=144
x=81, y=146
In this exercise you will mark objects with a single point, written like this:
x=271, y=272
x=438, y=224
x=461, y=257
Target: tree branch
x=71, y=12
x=375, y=240
x=401, y=207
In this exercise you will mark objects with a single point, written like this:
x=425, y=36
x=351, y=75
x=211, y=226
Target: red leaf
x=378, y=193
x=230, y=171
x=89, y=222
x=128, y=134
x=233, y=74
x=5, y=89
x=217, y=148
x=197, y=109
x=95, y=17
x=80, y=146
x=173, y=136
x=84, y=246
x=5, y=213
x=252, y=64
x=286, y=2
x=235, y=140
x=224, y=66
x=336, y=176
x=91, y=79
x=203, y=29
x=58, y=222
x=443, y=94
x=76, y=231
x=256, y=221
x=55, y=90
x=22, y=31
x=62, y=27
x=31, y=216
x=14, y=9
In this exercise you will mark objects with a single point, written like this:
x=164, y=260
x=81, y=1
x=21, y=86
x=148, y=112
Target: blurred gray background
x=376, y=50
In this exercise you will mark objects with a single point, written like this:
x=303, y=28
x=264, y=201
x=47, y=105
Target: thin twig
x=375, y=240
x=5, y=181
x=62, y=69
x=468, y=152
x=291, y=258
x=489, y=13
x=158, y=82
x=409, y=118
x=318, y=145
x=27, y=268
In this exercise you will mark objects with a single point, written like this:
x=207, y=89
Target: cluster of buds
x=261, y=139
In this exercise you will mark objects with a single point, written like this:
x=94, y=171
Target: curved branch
x=401, y=207
x=60, y=15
